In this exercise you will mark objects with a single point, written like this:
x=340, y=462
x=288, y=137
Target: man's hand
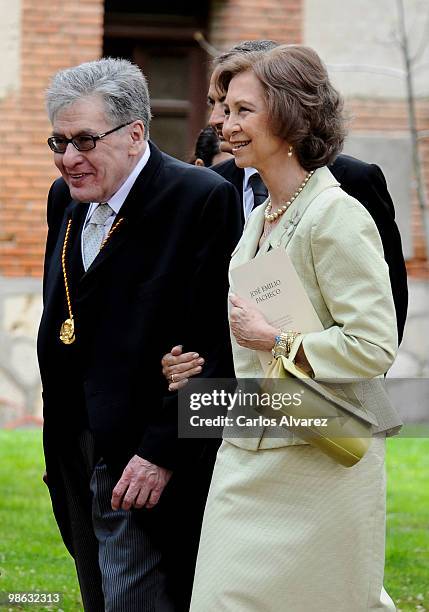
x=141, y=485
x=179, y=367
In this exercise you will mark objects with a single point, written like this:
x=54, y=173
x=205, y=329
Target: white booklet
x=270, y=283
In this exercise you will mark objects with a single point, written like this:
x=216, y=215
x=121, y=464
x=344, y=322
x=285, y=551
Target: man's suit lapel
x=76, y=212
x=231, y=173
x=234, y=175
x=140, y=203
x=237, y=178
x=78, y=216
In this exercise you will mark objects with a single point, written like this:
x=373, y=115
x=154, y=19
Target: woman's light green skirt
x=289, y=530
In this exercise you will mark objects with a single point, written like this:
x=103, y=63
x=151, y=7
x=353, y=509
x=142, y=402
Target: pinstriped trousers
x=118, y=564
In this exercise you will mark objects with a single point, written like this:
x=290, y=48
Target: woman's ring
x=172, y=378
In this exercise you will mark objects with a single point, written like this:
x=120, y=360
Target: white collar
x=248, y=172
x=120, y=196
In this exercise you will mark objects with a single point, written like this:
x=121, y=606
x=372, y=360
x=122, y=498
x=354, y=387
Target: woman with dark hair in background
x=207, y=149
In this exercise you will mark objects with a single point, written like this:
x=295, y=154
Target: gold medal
x=67, y=332
x=67, y=335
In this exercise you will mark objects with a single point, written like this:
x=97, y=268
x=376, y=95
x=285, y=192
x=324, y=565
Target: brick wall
x=72, y=32
x=392, y=116
x=235, y=20
x=54, y=35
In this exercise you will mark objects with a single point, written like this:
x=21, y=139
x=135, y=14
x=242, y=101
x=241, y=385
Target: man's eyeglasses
x=83, y=142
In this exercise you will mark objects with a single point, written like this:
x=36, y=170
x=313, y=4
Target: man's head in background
x=215, y=97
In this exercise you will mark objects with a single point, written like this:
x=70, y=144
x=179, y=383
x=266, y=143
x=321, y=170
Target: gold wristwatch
x=283, y=343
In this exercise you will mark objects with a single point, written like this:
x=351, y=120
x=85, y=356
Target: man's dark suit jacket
x=366, y=183
x=162, y=278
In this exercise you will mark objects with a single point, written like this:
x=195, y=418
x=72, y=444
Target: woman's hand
x=178, y=367
x=249, y=326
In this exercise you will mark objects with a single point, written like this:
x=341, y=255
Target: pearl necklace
x=270, y=217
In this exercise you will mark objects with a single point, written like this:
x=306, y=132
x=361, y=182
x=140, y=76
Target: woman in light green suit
x=286, y=529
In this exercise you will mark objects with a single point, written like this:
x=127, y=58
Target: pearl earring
x=289, y=153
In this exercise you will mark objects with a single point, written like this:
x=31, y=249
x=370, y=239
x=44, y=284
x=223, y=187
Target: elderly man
x=137, y=255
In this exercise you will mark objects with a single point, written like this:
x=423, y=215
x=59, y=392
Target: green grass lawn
x=32, y=557
x=407, y=551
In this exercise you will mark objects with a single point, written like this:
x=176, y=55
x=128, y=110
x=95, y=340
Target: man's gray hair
x=245, y=46
x=120, y=84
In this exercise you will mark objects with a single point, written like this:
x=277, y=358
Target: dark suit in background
x=366, y=183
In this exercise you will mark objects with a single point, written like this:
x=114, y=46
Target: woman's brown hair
x=303, y=106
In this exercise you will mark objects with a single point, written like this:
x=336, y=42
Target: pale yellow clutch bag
x=333, y=424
